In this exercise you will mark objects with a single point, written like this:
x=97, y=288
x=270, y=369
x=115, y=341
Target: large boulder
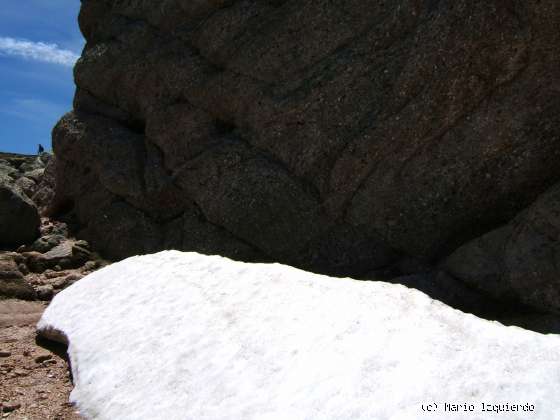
x=184, y=336
x=330, y=135
x=19, y=219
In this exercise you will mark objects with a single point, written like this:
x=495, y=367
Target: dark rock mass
x=342, y=137
x=521, y=259
x=19, y=217
x=39, y=256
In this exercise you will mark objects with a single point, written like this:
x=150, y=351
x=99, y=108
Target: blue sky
x=39, y=42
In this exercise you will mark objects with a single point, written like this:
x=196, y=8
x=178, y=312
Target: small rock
x=60, y=283
x=64, y=250
x=35, y=261
x=35, y=175
x=91, y=265
x=5, y=353
x=8, y=407
x=47, y=242
x=20, y=372
x=8, y=266
x=51, y=274
x=57, y=228
x=42, y=357
x=80, y=255
x=18, y=258
x=23, y=269
x=45, y=292
x=57, y=268
x=82, y=244
x=12, y=282
x=63, y=282
x=27, y=185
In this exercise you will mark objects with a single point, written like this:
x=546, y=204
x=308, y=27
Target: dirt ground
x=35, y=380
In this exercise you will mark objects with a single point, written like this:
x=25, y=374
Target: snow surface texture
x=184, y=336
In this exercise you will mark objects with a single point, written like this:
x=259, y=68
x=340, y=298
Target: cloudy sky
x=39, y=43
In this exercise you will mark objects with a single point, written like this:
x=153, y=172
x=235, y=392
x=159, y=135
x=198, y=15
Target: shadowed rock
x=19, y=219
x=336, y=136
x=520, y=260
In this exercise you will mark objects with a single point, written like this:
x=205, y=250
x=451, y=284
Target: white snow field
x=184, y=336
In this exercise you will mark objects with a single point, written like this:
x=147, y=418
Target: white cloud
x=38, y=51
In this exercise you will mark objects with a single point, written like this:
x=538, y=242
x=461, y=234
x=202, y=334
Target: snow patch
x=184, y=336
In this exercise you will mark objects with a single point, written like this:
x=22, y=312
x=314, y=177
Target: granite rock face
x=520, y=260
x=336, y=136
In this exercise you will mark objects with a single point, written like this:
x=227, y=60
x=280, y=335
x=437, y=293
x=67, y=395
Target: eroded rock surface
x=334, y=136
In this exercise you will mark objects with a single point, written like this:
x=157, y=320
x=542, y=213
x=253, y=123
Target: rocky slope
x=19, y=176
x=39, y=256
x=359, y=138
